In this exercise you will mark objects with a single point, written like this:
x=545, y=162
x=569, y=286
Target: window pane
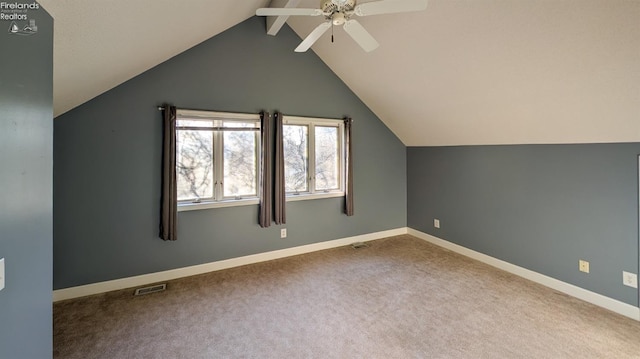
x=295, y=157
x=239, y=124
x=240, y=163
x=327, y=158
x=194, y=164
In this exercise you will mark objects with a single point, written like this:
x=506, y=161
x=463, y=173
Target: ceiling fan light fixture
x=338, y=19
x=339, y=2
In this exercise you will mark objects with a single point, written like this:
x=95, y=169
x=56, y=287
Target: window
x=313, y=157
x=217, y=158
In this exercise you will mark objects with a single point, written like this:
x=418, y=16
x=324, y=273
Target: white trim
x=123, y=283
x=600, y=300
x=303, y=196
x=322, y=121
x=192, y=206
x=218, y=121
x=214, y=115
x=311, y=123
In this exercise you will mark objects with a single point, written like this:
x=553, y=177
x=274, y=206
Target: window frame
x=219, y=200
x=312, y=122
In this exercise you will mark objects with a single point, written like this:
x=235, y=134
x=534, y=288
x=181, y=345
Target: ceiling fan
x=340, y=12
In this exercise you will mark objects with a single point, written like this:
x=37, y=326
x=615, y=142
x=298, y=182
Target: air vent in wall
x=152, y=289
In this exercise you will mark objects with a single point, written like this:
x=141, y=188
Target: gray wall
x=107, y=161
x=26, y=136
x=542, y=207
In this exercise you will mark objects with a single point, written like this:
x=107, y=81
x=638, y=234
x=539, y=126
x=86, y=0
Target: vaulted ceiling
x=462, y=72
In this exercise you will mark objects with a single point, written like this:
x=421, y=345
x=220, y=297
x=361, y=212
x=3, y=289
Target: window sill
x=307, y=196
x=187, y=206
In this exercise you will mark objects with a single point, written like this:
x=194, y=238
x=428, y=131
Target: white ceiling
x=462, y=72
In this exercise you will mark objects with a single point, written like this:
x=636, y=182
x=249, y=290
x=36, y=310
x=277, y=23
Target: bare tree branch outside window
x=295, y=157
x=240, y=163
x=194, y=164
x=327, y=162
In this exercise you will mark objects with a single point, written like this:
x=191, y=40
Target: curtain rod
x=162, y=108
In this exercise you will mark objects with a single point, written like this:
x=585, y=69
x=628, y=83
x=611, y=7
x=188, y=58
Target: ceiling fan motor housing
x=332, y=6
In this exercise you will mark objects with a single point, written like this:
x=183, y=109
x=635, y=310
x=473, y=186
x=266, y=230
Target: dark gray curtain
x=279, y=201
x=169, y=196
x=266, y=175
x=348, y=193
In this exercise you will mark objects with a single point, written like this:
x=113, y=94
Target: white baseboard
x=145, y=279
x=130, y=282
x=570, y=289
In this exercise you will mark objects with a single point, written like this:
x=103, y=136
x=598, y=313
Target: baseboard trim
x=145, y=279
x=564, y=287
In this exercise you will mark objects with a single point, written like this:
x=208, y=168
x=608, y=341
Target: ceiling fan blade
x=360, y=35
x=390, y=7
x=266, y=11
x=313, y=37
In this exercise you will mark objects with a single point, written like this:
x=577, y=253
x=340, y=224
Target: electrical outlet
x=283, y=233
x=436, y=223
x=1, y=273
x=584, y=266
x=630, y=279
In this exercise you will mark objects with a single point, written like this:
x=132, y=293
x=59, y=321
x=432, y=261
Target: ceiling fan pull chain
x=332, y=31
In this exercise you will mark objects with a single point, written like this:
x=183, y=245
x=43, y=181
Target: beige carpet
x=399, y=298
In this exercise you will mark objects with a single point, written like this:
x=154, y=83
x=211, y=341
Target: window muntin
x=313, y=156
x=217, y=156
